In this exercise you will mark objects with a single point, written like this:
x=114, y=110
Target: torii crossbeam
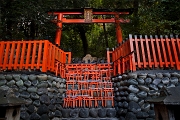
x=88, y=18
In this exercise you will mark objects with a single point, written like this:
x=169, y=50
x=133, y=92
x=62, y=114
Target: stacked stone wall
x=43, y=94
x=131, y=91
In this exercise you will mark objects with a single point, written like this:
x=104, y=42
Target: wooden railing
x=147, y=53
x=31, y=55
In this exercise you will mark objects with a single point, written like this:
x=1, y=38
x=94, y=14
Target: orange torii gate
x=88, y=18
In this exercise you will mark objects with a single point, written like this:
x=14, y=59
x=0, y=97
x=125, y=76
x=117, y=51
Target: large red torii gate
x=88, y=18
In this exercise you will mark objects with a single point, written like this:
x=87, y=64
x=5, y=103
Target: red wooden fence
x=147, y=53
x=31, y=55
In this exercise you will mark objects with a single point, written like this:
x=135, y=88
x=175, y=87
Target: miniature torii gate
x=88, y=18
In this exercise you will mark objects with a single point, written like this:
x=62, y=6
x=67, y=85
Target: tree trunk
x=84, y=39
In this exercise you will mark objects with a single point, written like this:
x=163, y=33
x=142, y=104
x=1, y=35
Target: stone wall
x=43, y=94
x=133, y=89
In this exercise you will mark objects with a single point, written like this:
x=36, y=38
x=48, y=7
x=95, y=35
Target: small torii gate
x=88, y=18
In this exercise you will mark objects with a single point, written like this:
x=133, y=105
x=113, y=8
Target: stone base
x=89, y=118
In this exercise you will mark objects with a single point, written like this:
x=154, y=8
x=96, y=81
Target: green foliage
x=28, y=19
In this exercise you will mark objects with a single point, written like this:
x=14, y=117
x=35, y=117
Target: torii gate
x=88, y=18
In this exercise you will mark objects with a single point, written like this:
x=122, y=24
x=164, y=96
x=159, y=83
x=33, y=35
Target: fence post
x=45, y=56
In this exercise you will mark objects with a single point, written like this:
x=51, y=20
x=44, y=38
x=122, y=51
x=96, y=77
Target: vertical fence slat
x=159, y=52
x=1, y=53
x=22, y=55
x=6, y=55
x=178, y=44
x=132, y=50
x=33, y=55
x=53, y=57
x=143, y=54
x=39, y=55
x=137, y=52
x=175, y=53
x=148, y=51
x=11, y=56
x=28, y=55
x=154, y=53
x=49, y=56
x=164, y=51
x=17, y=55
x=45, y=56
x=169, y=51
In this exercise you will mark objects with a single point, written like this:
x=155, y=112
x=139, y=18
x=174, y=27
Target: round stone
x=93, y=112
x=32, y=89
x=54, y=84
x=52, y=107
x=16, y=77
x=156, y=81
x=111, y=112
x=58, y=80
x=43, y=109
x=145, y=107
x=42, y=84
x=2, y=77
x=3, y=82
x=45, y=99
x=133, y=89
x=34, y=116
x=74, y=113
x=132, y=97
x=51, y=115
x=34, y=96
x=19, y=83
x=125, y=104
x=49, y=77
x=44, y=117
x=175, y=74
x=134, y=107
x=27, y=83
x=28, y=101
x=132, y=75
x=148, y=80
x=24, y=94
x=32, y=77
x=41, y=91
x=58, y=114
x=24, y=77
x=59, y=107
x=141, y=102
x=159, y=75
x=132, y=82
x=8, y=77
x=140, y=81
x=35, y=82
x=166, y=75
x=42, y=77
x=102, y=112
x=174, y=80
x=151, y=75
x=24, y=115
x=49, y=83
x=84, y=113
x=165, y=80
x=65, y=113
x=10, y=83
x=153, y=87
x=31, y=108
x=37, y=103
x=130, y=116
x=160, y=85
x=143, y=88
x=151, y=113
x=58, y=85
x=142, y=115
x=170, y=85
x=142, y=75
x=120, y=104
x=22, y=88
x=153, y=93
x=142, y=94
